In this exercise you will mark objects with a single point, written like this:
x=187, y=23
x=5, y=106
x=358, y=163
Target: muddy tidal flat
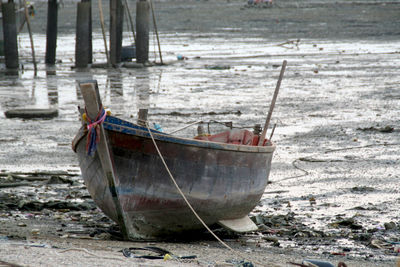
x=334, y=191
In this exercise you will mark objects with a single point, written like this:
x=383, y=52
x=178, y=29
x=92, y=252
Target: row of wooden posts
x=83, y=45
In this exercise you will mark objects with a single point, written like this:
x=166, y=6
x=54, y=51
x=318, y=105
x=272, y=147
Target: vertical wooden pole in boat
x=93, y=104
x=155, y=28
x=51, y=32
x=271, y=107
x=142, y=116
x=116, y=27
x=142, y=31
x=10, y=35
x=82, y=47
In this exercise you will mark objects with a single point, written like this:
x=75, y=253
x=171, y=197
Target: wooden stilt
x=10, y=35
x=90, y=54
x=116, y=27
x=142, y=116
x=51, y=32
x=142, y=31
x=82, y=35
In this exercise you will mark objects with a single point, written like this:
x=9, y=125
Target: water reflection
x=52, y=90
x=126, y=94
x=50, y=70
x=81, y=76
x=114, y=83
x=7, y=94
x=142, y=89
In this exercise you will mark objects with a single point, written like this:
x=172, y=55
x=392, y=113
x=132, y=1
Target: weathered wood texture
x=93, y=105
x=142, y=31
x=271, y=107
x=221, y=181
x=51, y=31
x=82, y=47
x=10, y=35
x=116, y=27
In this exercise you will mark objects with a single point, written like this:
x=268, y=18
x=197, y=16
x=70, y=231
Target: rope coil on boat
x=93, y=136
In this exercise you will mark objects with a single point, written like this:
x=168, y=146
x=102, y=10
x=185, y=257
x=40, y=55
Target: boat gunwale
x=133, y=129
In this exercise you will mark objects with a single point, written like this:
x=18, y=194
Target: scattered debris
x=375, y=243
x=390, y=225
x=217, y=67
x=152, y=253
x=241, y=263
x=4, y=263
x=31, y=113
x=362, y=189
x=317, y=263
x=6, y=185
x=349, y=223
x=211, y=113
x=386, y=129
x=290, y=44
x=259, y=3
x=180, y=57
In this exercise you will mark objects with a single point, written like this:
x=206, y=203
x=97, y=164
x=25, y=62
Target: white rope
x=184, y=127
x=180, y=191
x=187, y=202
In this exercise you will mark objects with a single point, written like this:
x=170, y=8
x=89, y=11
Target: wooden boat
x=222, y=181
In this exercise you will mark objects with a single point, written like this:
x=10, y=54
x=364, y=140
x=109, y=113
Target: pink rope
x=93, y=136
x=99, y=121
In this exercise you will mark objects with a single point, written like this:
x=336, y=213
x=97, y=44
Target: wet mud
x=334, y=185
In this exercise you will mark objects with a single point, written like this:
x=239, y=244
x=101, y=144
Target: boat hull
x=221, y=181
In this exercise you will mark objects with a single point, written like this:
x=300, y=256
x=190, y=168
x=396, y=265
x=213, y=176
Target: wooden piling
x=51, y=32
x=142, y=31
x=116, y=27
x=82, y=47
x=90, y=59
x=10, y=35
x=142, y=116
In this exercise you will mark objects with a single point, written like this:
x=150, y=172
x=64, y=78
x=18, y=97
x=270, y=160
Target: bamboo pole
x=155, y=28
x=104, y=32
x=271, y=107
x=28, y=24
x=130, y=20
